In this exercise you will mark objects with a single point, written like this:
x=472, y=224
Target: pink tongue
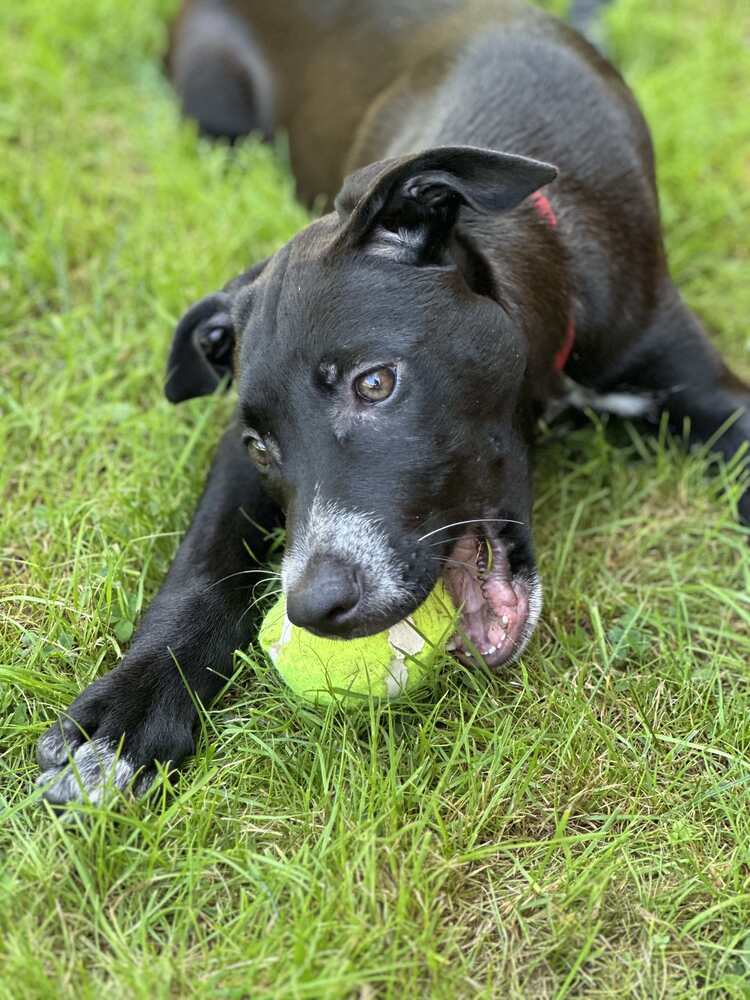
x=494, y=610
x=462, y=576
x=500, y=593
x=496, y=629
x=486, y=624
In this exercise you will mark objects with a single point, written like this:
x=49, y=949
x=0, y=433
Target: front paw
x=111, y=738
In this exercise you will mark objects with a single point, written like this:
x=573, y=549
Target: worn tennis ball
x=384, y=665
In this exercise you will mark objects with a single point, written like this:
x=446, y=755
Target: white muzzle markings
x=357, y=539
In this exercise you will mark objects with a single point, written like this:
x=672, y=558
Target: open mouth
x=499, y=608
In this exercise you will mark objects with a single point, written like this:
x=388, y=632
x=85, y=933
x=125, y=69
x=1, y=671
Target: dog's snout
x=326, y=597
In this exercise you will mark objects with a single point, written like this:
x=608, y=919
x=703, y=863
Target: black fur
x=432, y=264
x=202, y=348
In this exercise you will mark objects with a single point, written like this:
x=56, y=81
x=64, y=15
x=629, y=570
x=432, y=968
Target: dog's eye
x=376, y=385
x=258, y=450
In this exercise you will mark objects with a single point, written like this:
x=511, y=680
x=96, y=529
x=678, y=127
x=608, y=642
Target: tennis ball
x=384, y=665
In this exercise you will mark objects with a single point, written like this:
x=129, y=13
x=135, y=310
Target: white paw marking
x=623, y=404
x=628, y=405
x=52, y=746
x=94, y=769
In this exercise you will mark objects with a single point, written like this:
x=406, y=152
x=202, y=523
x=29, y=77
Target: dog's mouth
x=499, y=607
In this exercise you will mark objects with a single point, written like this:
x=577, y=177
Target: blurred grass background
x=578, y=827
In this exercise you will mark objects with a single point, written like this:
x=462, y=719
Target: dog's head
x=382, y=359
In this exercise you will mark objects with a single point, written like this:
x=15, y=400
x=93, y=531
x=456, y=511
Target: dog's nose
x=325, y=598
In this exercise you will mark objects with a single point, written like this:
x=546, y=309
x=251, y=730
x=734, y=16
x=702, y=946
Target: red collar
x=546, y=211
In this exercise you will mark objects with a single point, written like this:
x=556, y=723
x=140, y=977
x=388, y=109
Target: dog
x=491, y=248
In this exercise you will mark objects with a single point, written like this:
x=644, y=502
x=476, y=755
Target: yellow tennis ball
x=384, y=665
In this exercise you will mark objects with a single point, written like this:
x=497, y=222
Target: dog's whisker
x=263, y=597
x=259, y=583
x=444, y=541
x=472, y=571
x=268, y=574
x=471, y=520
x=454, y=562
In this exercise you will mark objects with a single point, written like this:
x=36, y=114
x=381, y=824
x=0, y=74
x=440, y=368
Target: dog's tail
x=586, y=17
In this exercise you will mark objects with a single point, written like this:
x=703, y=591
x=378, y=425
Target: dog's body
x=393, y=358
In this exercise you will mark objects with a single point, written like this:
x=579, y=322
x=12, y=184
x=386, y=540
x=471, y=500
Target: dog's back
x=336, y=76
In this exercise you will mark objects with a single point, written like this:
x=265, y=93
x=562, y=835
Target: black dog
x=393, y=358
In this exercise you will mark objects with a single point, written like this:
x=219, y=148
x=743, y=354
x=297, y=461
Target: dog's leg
x=219, y=72
x=144, y=710
x=675, y=368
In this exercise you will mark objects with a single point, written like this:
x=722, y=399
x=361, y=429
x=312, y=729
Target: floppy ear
x=202, y=350
x=408, y=206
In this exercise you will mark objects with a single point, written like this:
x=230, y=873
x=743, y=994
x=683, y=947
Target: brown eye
x=258, y=451
x=376, y=385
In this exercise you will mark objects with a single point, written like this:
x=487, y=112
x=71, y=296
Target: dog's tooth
x=497, y=636
x=504, y=621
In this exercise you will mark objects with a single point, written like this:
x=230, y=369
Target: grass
x=576, y=827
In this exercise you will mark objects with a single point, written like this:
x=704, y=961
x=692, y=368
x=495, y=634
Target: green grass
x=576, y=827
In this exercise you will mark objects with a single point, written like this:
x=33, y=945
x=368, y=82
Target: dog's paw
x=94, y=769
x=109, y=741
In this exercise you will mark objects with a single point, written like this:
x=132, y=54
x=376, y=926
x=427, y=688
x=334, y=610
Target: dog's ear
x=203, y=344
x=202, y=349
x=409, y=205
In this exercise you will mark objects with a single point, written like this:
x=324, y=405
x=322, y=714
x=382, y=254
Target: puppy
x=493, y=246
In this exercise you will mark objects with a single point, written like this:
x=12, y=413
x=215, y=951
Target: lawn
x=575, y=827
